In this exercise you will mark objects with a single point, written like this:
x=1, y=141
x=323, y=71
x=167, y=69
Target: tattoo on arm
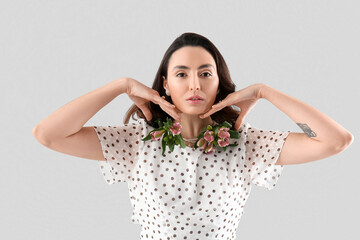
x=307, y=130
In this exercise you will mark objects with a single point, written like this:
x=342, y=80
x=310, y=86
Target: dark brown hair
x=226, y=85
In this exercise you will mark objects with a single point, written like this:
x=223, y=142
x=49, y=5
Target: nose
x=194, y=84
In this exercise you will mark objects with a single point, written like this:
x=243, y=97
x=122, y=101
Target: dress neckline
x=193, y=148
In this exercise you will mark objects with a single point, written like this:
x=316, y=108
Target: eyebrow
x=185, y=67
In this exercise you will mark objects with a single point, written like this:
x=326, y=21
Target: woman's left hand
x=245, y=99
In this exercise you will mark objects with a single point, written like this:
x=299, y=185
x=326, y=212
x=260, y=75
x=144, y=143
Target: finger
x=146, y=112
x=164, y=102
x=240, y=118
x=214, y=108
x=166, y=106
x=161, y=100
x=239, y=121
x=172, y=112
x=176, y=113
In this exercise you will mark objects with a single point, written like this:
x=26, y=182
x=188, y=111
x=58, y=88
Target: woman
x=188, y=193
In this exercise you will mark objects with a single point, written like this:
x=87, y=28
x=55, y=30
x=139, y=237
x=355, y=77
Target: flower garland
x=209, y=138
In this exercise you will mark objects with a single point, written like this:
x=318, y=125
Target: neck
x=193, y=124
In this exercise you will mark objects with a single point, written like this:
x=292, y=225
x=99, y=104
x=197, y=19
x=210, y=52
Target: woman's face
x=192, y=71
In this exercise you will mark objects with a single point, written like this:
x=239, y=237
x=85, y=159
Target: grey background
x=55, y=51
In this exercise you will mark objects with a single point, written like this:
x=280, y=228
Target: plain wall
x=55, y=51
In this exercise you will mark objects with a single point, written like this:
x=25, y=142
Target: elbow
x=345, y=143
x=35, y=132
x=39, y=136
x=349, y=139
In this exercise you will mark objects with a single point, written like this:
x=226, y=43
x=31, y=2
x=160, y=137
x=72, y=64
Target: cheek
x=176, y=97
x=212, y=92
x=211, y=97
x=211, y=87
x=178, y=91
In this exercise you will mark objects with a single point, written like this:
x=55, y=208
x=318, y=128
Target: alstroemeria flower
x=223, y=132
x=223, y=142
x=209, y=135
x=156, y=135
x=176, y=128
x=210, y=148
x=201, y=143
x=206, y=142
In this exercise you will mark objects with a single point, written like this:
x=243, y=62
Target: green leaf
x=234, y=134
x=158, y=121
x=182, y=143
x=157, y=129
x=216, y=130
x=163, y=143
x=195, y=144
x=165, y=136
x=226, y=124
x=148, y=137
x=171, y=145
x=168, y=122
x=204, y=130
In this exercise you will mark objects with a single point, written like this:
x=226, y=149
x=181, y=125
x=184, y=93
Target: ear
x=164, y=83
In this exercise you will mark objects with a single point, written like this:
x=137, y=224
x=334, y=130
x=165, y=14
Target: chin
x=194, y=112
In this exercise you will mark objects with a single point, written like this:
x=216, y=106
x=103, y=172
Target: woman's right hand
x=141, y=94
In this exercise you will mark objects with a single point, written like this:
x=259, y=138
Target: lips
x=195, y=97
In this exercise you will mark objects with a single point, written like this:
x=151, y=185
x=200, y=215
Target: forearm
x=314, y=123
x=71, y=117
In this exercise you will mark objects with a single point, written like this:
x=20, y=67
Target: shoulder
x=130, y=129
x=139, y=127
x=143, y=125
x=244, y=128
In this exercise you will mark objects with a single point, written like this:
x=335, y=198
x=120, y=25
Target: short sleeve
x=120, y=146
x=262, y=150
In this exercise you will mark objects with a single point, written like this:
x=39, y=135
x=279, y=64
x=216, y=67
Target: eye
x=179, y=73
x=208, y=73
x=203, y=73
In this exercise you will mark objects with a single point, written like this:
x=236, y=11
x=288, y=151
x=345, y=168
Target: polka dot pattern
x=120, y=146
x=263, y=148
x=187, y=194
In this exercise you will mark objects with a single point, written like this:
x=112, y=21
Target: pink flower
x=209, y=135
x=223, y=142
x=201, y=143
x=210, y=148
x=156, y=135
x=176, y=128
x=223, y=132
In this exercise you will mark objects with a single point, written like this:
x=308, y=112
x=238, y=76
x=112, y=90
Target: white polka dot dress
x=188, y=194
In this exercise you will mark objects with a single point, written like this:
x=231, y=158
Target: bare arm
x=63, y=130
x=315, y=124
x=322, y=137
x=70, y=118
